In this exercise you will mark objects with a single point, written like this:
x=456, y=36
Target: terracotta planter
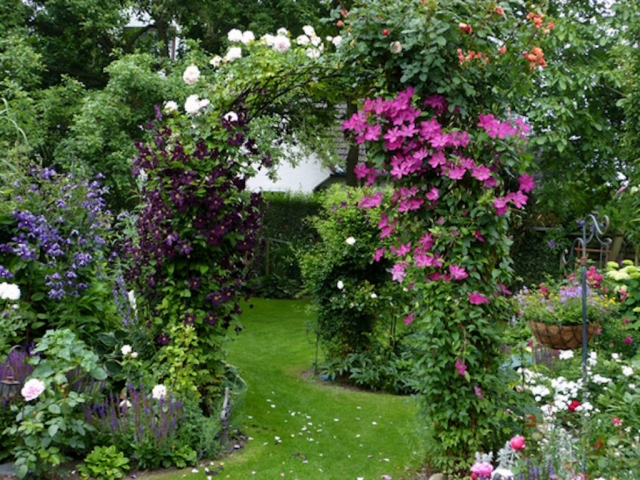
x=561, y=337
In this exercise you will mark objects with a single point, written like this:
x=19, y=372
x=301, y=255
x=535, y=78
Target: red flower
x=616, y=421
x=385, y=32
x=573, y=405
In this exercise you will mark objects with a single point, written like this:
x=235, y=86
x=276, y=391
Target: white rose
x=9, y=291
x=268, y=39
x=395, y=47
x=126, y=350
x=340, y=285
x=309, y=31
x=315, y=41
x=134, y=354
x=192, y=104
x=313, y=53
x=170, y=106
x=235, y=35
x=233, y=54
x=303, y=40
x=216, y=61
x=337, y=40
x=351, y=241
x=283, y=32
x=281, y=44
x=248, y=37
x=191, y=75
x=159, y=392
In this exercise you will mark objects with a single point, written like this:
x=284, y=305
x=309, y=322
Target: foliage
x=533, y=258
x=54, y=246
x=144, y=426
x=104, y=463
x=561, y=303
x=52, y=427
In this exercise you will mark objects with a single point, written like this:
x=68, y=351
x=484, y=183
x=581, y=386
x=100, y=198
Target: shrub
x=104, y=463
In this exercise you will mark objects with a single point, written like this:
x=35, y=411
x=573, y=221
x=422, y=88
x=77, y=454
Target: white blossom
x=303, y=40
x=350, y=241
x=231, y=116
x=170, y=106
x=313, y=53
x=268, y=39
x=340, y=285
x=126, y=350
x=281, y=44
x=309, y=31
x=193, y=104
x=233, y=54
x=565, y=354
x=315, y=40
x=395, y=47
x=191, y=75
x=627, y=371
x=9, y=291
x=159, y=392
x=216, y=61
x=235, y=35
x=337, y=40
x=374, y=296
x=248, y=37
x=283, y=32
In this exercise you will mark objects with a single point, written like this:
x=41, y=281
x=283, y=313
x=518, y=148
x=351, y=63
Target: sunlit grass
x=301, y=429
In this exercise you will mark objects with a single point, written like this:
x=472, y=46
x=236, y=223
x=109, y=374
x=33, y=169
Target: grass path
x=298, y=429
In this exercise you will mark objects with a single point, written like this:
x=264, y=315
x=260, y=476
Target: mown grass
x=301, y=429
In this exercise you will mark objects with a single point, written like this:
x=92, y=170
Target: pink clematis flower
x=457, y=272
x=477, y=299
x=460, y=366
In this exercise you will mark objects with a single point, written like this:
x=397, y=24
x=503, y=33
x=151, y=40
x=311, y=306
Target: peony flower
x=350, y=241
x=126, y=350
x=233, y=54
x=170, y=106
x=159, y=392
x=281, y=43
x=9, y=291
x=216, y=61
x=191, y=75
x=395, y=47
x=235, y=35
x=32, y=389
x=517, y=442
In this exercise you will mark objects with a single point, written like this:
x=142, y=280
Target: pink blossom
x=456, y=173
x=409, y=319
x=500, y=204
x=526, y=183
x=459, y=139
x=481, y=172
x=483, y=469
x=377, y=256
x=478, y=235
x=616, y=421
x=439, y=141
x=518, y=198
x=478, y=391
x=504, y=289
x=517, y=442
x=357, y=123
x=437, y=102
x=426, y=241
x=371, y=201
x=398, y=272
x=477, y=299
x=437, y=159
x=490, y=182
x=430, y=129
x=32, y=389
x=372, y=133
x=402, y=249
x=628, y=340
x=433, y=194
x=393, y=139
x=458, y=272
x=460, y=366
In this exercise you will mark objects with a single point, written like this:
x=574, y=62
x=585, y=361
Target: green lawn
x=302, y=430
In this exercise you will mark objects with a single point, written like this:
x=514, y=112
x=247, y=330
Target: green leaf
x=55, y=409
x=53, y=429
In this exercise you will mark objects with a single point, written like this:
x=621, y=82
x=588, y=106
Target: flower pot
x=561, y=337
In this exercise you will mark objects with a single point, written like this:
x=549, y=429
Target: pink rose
x=32, y=389
x=517, y=442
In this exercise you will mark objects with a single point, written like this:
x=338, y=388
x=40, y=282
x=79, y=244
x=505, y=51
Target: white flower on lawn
x=303, y=40
x=351, y=241
x=281, y=44
x=235, y=35
x=126, y=350
x=159, y=392
x=216, y=61
x=191, y=75
x=248, y=37
x=309, y=31
x=627, y=371
x=340, y=285
x=170, y=106
x=9, y=291
x=233, y=54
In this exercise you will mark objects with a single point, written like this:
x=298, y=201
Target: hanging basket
x=561, y=337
